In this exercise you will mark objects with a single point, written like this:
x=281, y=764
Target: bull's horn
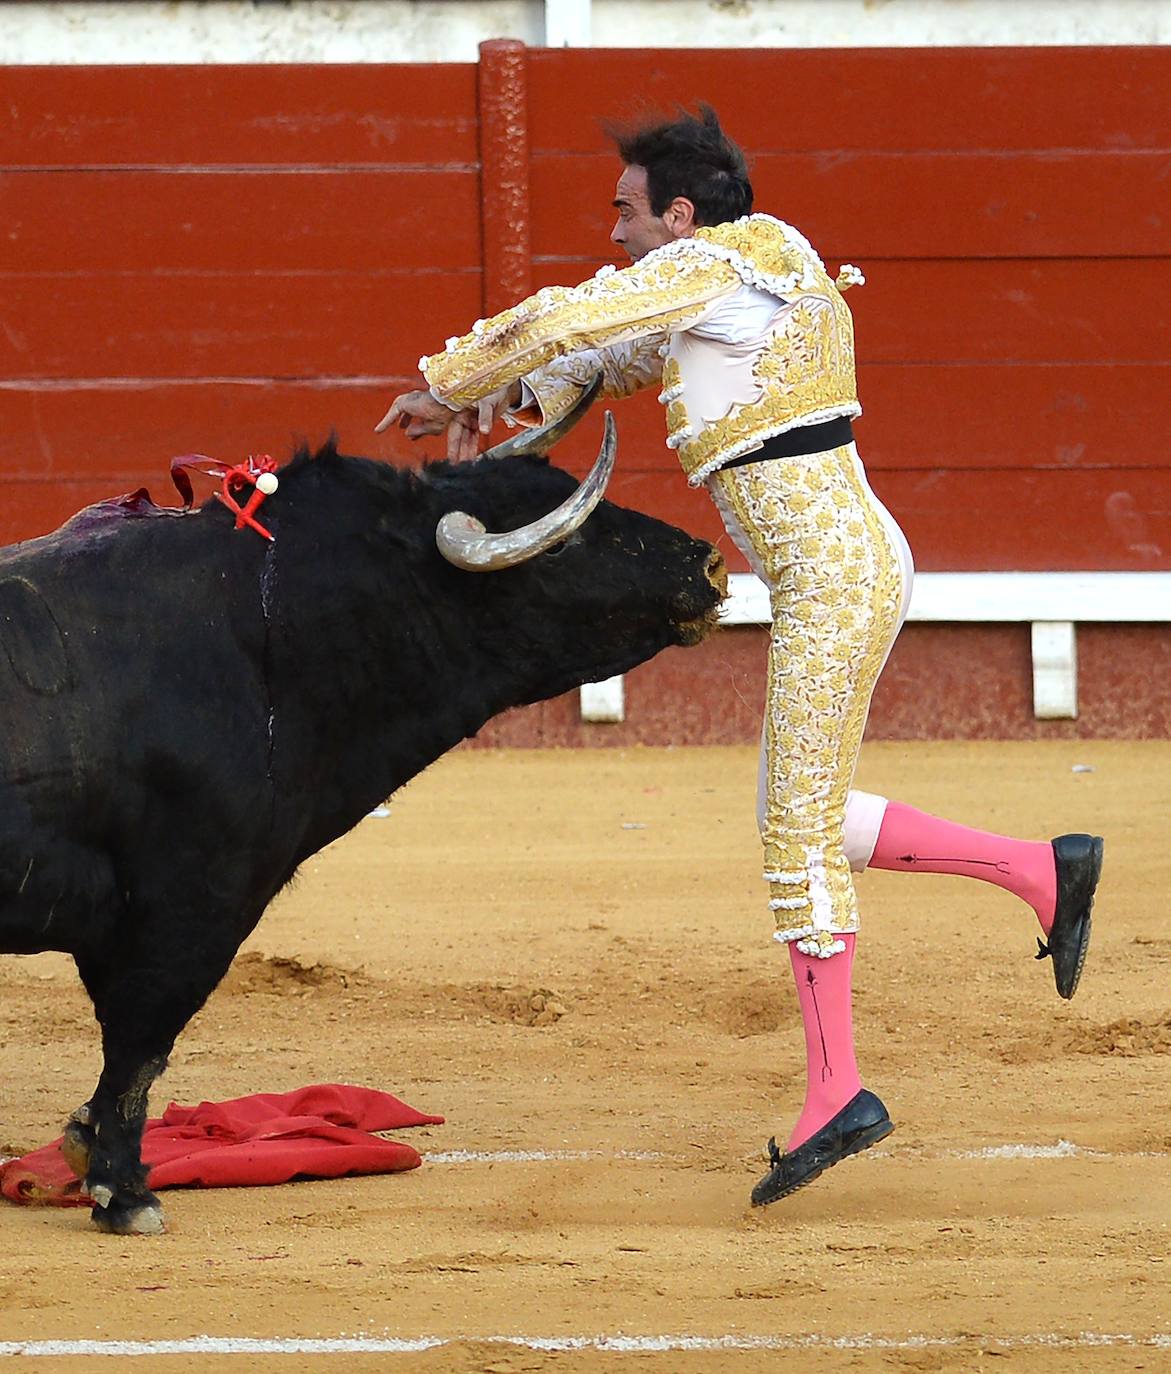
x=462, y=539
x=542, y=439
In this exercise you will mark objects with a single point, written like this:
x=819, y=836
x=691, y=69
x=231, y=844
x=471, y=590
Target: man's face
x=637, y=229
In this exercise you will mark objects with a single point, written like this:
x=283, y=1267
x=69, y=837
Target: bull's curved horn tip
x=460, y=521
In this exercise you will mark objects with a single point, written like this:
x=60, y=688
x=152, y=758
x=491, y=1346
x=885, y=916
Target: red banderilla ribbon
x=258, y=472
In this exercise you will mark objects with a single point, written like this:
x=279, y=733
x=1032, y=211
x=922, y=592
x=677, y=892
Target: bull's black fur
x=189, y=712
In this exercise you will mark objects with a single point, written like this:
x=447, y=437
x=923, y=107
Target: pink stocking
x=831, y=1073
x=912, y=841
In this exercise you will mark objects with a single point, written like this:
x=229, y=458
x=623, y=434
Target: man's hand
x=419, y=413
x=463, y=435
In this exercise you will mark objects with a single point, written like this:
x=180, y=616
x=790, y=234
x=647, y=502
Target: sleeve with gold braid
x=663, y=292
x=625, y=368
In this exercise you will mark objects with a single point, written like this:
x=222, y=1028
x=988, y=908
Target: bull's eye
x=558, y=549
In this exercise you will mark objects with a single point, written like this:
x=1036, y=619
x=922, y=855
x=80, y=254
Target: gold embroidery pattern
x=836, y=589
x=807, y=375
x=662, y=293
x=672, y=381
x=775, y=249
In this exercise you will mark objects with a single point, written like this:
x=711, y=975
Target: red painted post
x=505, y=211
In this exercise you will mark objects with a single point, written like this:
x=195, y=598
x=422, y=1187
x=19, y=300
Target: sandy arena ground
x=568, y=954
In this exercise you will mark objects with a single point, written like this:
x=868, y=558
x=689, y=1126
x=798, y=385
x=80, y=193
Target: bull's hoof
x=76, y=1144
x=129, y=1219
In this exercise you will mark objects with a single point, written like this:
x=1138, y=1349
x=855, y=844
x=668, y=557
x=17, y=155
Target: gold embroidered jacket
x=639, y=324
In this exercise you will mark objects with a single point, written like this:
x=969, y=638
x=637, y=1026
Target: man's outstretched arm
x=558, y=340
x=668, y=290
x=540, y=397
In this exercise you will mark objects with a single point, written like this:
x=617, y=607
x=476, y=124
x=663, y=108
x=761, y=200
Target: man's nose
x=616, y=234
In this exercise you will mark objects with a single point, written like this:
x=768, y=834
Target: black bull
x=189, y=712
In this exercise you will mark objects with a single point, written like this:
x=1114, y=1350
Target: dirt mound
x=1127, y=1037
x=287, y=975
x=518, y=1005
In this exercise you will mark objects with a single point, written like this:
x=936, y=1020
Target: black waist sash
x=820, y=438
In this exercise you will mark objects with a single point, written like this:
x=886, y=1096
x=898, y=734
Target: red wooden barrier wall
x=224, y=259
x=219, y=259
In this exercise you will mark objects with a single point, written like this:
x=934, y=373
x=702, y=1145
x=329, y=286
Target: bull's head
x=590, y=589
x=463, y=540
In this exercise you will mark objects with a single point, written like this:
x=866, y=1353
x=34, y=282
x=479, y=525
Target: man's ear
x=679, y=217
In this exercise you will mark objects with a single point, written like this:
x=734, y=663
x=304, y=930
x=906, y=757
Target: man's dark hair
x=688, y=156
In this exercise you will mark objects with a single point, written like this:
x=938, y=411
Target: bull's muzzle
x=697, y=628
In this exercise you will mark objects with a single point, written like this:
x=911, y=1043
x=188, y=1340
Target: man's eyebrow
x=620, y=204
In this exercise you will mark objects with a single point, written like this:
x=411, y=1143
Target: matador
x=735, y=318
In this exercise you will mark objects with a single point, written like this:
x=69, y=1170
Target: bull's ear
x=537, y=442
x=463, y=540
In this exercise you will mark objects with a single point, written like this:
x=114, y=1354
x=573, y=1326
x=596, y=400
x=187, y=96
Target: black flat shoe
x=1079, y=865
x=862, y=1122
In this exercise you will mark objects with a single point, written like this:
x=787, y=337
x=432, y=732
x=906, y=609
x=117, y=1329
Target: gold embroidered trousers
x=839, y=573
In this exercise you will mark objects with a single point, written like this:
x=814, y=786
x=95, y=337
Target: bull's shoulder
x=58, y=590
x=30, y=635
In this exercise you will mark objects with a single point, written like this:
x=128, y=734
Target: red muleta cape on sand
x=321, y=1131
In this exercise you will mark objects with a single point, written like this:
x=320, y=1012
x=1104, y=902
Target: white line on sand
x=390, y=1345
x=1064, y=1149
x=530, y=1156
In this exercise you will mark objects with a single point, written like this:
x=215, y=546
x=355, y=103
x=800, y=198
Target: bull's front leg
x=103, y=1144
x=141, y=1005
x=103, y=1137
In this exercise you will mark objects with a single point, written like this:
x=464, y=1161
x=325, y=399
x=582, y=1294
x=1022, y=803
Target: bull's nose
x=700, y=621
x=716, y=572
